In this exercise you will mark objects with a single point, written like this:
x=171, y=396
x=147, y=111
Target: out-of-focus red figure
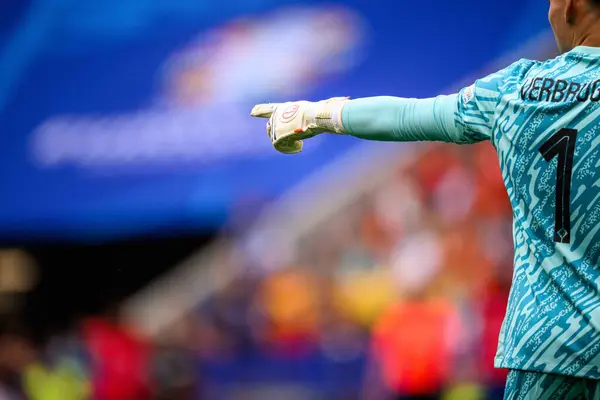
x=413, y=344
x=120, y=360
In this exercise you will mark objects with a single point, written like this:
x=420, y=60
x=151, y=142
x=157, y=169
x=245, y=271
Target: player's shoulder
x=526, y=66
x=509, y=78
x=505, y=79
x=521, y=68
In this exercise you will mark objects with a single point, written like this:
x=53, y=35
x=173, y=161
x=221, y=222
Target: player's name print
x=559, y=90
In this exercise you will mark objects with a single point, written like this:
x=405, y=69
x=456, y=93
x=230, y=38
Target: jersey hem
x=589, y=372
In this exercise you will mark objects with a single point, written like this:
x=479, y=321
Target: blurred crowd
x=401, y=295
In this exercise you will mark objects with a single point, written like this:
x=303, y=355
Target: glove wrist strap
x=327, y=116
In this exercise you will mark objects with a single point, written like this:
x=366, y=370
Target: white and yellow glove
x=290, y=123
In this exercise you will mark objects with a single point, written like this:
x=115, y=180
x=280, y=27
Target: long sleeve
x=466, y=117
x=398, y=119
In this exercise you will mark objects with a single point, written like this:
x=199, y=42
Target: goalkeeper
x=542, y=118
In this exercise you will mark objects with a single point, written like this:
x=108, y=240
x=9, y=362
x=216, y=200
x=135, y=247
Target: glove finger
x=292, y=144
x=288, y=145
x=263, y=110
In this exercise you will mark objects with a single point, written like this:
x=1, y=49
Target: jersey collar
x=587, y=50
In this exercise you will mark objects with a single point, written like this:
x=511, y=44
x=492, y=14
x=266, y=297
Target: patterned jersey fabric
x=543, y=118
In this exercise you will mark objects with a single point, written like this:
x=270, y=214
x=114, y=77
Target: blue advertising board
x=124, y=117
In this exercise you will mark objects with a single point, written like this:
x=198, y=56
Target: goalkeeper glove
x=290, y=123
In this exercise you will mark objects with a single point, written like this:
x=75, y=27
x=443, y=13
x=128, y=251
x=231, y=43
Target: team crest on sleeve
x=468, y=94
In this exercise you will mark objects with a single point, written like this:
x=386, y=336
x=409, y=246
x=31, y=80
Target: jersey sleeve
x=478, y=104
x=465, y=117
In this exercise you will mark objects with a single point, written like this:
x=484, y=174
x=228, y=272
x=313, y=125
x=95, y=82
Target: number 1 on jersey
x=562, y=144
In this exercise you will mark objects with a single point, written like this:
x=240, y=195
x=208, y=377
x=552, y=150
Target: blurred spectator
x=173, y=373
x=414, y=342
x=492, y=305
x=290, y=300
x=16, y=353
x=57, y=373
x=120, y=360
x=363, y=296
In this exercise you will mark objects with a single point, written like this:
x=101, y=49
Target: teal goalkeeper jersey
x=543, y=118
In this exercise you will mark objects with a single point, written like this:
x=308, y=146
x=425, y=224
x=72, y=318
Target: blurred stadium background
x=155, y=246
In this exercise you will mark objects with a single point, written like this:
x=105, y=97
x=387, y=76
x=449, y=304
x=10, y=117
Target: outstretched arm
x=381, y=118
x=465, y=117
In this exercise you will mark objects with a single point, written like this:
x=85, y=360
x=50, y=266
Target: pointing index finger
x=263, y=110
